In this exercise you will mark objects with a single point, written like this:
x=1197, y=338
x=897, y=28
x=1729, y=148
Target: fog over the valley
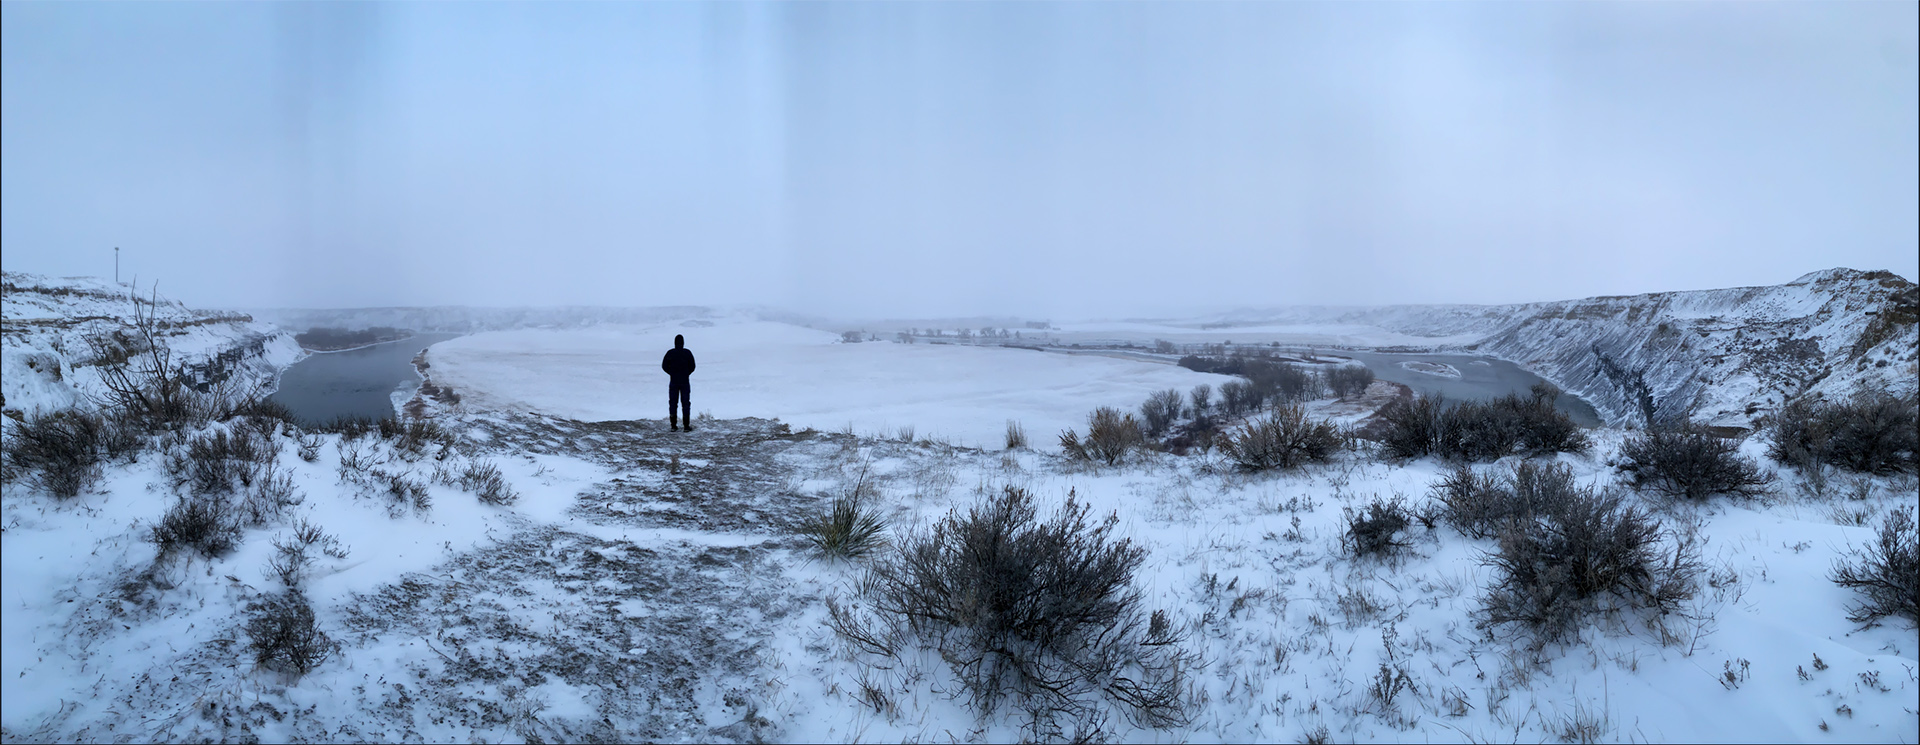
x=922, y=159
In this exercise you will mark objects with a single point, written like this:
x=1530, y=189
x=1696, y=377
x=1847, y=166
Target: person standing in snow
x=678, y=365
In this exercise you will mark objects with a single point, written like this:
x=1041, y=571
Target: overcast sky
x=1057, y=159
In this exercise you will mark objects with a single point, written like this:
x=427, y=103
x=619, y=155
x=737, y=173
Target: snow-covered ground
x=807, y=378
x=651, y=586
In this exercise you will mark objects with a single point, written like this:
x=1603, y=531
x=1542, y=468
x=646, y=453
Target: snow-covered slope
x=1726, y=356
x=47, y=363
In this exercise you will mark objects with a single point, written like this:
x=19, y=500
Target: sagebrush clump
x=1283, y=439
x=1482, y=430
x=1040, y=611
x=1566, y=552
x=1110, y=436
x=1886, y=572
x=1874, y=432
x=283, y=635
x=1689, y=463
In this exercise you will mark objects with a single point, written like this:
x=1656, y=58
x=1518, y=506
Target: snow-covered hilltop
x=1724, y=356
x=47, y=362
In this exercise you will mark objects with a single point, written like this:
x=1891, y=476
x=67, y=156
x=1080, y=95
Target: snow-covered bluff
x=47, y=364
x=1724, y=356
x=1727, y=356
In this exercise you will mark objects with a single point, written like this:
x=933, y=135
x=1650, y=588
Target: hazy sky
x=1049, y=158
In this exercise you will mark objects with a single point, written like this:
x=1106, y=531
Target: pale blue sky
x=1061, y=159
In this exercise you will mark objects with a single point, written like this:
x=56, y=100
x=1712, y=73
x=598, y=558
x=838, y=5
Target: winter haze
x=920, y=159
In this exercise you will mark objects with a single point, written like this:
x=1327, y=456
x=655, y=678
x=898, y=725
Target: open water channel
x=1479, y=378
x=366, y=381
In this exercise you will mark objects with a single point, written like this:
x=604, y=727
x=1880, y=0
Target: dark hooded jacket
x=678, y=364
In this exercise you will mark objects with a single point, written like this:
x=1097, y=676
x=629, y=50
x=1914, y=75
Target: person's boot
x=673, y=424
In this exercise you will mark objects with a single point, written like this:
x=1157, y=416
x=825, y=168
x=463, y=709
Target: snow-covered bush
x=202, y=523
x=60, y=451
x=212, y=462
x=1690, y=463
x=1482, y=505
x=283, y=635
x=1481, y=430
x=1377, y=531
x=1876, y=432
x=1283, y=439
x=1160, y=410
x=1042, y=612
x=1349, y=380
x=1583, y=551
x=1885, y=572
x=1110, y=436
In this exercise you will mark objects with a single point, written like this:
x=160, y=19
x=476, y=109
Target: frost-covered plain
x=807, y=378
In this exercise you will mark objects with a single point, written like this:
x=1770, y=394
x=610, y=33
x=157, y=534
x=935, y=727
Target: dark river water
x=356, y=382
x=1480, y=378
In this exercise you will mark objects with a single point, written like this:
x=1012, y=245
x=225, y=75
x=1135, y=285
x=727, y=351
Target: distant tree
x=905, y=337
x=1163, y=346
x=1160, y=410
x=1350, y=380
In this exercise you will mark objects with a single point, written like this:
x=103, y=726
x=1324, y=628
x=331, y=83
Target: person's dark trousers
x=681, y=395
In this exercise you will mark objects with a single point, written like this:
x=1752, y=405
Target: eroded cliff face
x=48, y=361
x=1723, y=357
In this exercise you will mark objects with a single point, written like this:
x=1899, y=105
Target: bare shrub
x=1110, y=435
x=1886, y=572
x=415, y=436
x=1688, y=463
x=1239, y=397
x=1160, y=411
x=1379, y=530
x=283, y=635
x=60, y=451
x=202, y=523
x=1201, y=400
x=268, y=498
x=403, y=491
x=1875, y=432
x=483, y=478
x=1582, y=552
x=1016, y=435
x=1484, y=505
x=214, y=462
x=1412, y=426
x=1348, y=381
x=1284, y=439
x=1043, y=611
x=1481, y=430
x=308, y=447
x=141, y=377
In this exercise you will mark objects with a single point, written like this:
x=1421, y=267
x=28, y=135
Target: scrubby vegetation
x=1110, y=436
x=1566, y=552
x=60, y=452
x=1016, y=438
x=1348, y=381
x=1886, y=572
x=327, y=339
x=1379, y=530
x=1875, y=432
x=1689, y=463
x=1041, y=612
x=852, y=526
x=1283, y=439
x=1160, y=411
x=283, y=636
x=1481, y=430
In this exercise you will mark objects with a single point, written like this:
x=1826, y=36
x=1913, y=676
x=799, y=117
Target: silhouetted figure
x=678, y=364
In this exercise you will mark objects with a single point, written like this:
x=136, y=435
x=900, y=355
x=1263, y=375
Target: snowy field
x=807, y=378
x=653, y=586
